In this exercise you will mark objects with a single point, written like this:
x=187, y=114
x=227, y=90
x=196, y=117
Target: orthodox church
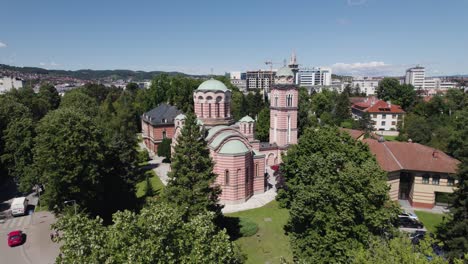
x=240, y=159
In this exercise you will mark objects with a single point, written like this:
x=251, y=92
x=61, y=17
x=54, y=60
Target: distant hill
x=94, y=74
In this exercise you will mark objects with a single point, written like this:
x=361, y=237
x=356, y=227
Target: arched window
x=201, y=107
x=164, y=134
x=276, y=100
x=250, y=128
x=256, y=170
x=209, y=110
x=217, y=109
x=226, y=177
x=289, y=100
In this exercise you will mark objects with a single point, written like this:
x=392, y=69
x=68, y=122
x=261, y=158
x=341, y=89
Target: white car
x=410, y=215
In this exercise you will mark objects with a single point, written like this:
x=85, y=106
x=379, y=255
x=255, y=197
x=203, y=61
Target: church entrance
x=271, y=159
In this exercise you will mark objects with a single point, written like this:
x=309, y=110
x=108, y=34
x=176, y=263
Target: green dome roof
x=247, y=119
x=212, y=85
x=234, y=147
x=285, y=71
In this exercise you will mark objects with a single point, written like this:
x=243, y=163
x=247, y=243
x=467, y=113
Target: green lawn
x=270, y=243
x=155, y=182
x=390, y=138
x=430, y=220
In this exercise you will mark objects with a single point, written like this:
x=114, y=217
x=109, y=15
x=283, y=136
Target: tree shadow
x=8, y=190
x=232, y=226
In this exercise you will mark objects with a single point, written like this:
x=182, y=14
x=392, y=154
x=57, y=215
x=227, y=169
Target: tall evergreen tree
x=343, y=108
x=191, y=179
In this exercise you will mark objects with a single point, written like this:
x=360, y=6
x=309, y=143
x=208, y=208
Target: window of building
x=209, y=110
x=250, y=128
x=450, y=181
x=164, y=134
x=394, y=116
x=435, y=180
x=256, y=170
x=276, y=101
x=374, y=115
x=217, y=109
x=425, y=179
x=384, y=116
x=226, y=177
x=383, y=123
x=393, y=123
x=201, y=108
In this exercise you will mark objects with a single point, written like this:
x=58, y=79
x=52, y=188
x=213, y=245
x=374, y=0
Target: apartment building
x=385, y=116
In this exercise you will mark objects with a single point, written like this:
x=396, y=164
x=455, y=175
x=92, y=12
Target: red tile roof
x=353, y=132
x=378, y=106
x=395, y=156
x=382, y=106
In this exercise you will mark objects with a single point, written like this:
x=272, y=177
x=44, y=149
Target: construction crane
x=271, y=63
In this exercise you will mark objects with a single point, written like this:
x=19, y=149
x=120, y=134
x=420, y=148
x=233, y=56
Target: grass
x=430, y=220
x=155, y=182
x=390, y=138
x=269, y=244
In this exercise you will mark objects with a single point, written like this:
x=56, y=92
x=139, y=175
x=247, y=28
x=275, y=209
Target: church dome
x=284, y=72
x=234, y=147
x=212, y=85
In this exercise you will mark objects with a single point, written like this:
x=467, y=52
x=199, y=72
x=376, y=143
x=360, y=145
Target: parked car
x=19, y=206
x=410, y=215
x=407, y=222
x=15, y=238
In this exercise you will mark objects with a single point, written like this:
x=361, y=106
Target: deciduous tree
x=157, y=234
x=336, y=194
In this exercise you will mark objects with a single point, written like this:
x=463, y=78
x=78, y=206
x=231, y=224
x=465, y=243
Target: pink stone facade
x=283, y=116
x=213, y=107
x=239, y=159
x=153, y=135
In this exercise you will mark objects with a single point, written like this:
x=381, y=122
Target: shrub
x=247, y=227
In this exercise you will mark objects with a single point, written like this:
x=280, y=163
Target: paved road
x=38, y=247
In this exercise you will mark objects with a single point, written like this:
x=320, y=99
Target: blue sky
x=359, y=37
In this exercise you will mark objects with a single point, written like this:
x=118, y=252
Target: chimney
x=389, y=104
x=435, y=154
x=410, y=140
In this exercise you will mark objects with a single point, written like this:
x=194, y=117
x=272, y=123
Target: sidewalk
x=436, y=209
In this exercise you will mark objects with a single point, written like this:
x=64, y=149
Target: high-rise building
x=260, y=79
x=238, y=79
x=366, y=84
x=316, y=76
x=415, y=76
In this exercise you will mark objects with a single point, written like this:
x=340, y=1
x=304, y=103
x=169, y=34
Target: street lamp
x=71, y=201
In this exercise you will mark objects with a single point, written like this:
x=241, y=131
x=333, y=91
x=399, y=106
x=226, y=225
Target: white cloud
x=3, y=45
x=42, y=63
x=356, y=2
x=372, y=68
